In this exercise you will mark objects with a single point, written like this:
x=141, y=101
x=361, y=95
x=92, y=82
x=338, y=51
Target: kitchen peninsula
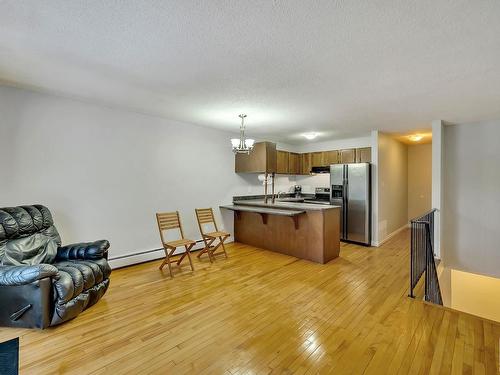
x=303, y=230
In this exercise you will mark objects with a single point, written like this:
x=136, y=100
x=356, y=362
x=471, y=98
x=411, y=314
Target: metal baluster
x=422, y=257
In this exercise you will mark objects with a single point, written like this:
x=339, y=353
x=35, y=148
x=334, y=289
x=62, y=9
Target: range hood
x=320, y=169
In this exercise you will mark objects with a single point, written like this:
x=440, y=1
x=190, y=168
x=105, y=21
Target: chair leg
x=204, y=250
x=181, y=258
x=212, y=251
x=167, y=261
x=188, y=252
x=222, y=239
x=221, y=243
x=207, y=249
x=170, y=270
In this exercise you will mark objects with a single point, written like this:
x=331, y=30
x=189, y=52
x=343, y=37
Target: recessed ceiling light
x=310, y=136
x=415, y=137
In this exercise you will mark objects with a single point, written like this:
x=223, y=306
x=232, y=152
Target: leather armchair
x=84, y=250
x=22, y=275
x=41, y=282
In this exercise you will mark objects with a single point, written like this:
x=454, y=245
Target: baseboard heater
x=131, y=255
x=149, y=251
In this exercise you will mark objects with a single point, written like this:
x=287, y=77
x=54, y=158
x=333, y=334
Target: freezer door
x=337, y=174
x=358, y=202
x=337, y=193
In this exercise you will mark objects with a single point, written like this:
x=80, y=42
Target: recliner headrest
x=20, y=221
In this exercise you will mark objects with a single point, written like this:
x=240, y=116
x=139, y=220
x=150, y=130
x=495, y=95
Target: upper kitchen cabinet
x=331, y=157
x=265, y=158
x=282, y=158
x=294, y=166
x=305, y=163
x=364, y=155
x=261, y=159
x=318, y=159
x=347, y=156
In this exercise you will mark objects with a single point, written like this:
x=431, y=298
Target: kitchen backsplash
x=285, y=183
x=308, y=183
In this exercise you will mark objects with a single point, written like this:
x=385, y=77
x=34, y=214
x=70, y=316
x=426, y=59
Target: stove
x=321, y=196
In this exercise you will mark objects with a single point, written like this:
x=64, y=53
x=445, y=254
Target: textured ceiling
x=336, y=67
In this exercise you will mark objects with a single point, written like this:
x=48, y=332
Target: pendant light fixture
x=242, y=145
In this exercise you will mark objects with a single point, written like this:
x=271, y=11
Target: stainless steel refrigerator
x=351, y=189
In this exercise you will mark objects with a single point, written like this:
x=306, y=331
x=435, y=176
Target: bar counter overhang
x=305, y=231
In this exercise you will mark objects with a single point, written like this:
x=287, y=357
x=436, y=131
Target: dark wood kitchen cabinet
x=347, y=156
x=364, y=155
x=282, y=162
x=294, y=163
x=265, y=158
x=260, y=160
x=305, y=163
x=331, y=157
x=317, y=159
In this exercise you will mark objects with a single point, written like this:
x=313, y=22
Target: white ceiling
x=336, y=67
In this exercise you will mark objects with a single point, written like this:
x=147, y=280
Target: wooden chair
x=206, y=216
x=168, y=221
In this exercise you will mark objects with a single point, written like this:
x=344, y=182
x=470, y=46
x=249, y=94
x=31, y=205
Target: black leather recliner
x=41, y=282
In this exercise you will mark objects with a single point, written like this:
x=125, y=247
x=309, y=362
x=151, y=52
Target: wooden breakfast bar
x=303, y=230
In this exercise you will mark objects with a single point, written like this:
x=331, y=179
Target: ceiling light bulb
x=415, y=137
x=249, y=143
x=310, y=135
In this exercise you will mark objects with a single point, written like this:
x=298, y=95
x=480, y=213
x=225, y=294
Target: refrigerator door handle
x=346, y=199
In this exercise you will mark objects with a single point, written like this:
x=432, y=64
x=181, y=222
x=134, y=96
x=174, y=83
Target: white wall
x=338, y=144
x=105, y=172
x=437, y=182
x=419, y=179
x=374, y=186
x=471, y=198
x=392, y=186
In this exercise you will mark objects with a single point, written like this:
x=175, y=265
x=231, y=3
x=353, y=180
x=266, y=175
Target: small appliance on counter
x=297, y=190
x=321, y=196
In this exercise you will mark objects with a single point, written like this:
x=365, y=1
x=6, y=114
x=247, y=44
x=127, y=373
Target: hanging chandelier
x=242, y=145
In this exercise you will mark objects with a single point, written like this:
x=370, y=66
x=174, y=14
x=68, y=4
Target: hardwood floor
x=263, y=312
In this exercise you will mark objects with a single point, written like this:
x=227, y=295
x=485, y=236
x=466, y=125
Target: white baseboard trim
x=147, y=256
x=380, y=243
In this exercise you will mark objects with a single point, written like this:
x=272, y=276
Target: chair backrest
x=205, y=216
x=167, y=221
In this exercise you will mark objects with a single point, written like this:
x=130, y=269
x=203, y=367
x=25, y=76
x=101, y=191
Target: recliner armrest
x=22, y=275
x=84, y=251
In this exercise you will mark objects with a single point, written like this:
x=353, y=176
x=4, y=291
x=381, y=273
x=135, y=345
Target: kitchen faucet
x=266, y=179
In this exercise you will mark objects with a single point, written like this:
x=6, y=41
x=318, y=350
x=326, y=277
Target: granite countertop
x=284, y=205
x=263, y=210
